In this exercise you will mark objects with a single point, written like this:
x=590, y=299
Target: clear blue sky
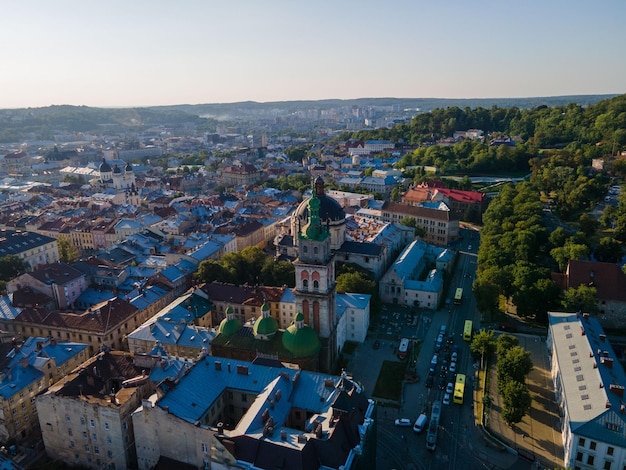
x=156, y=52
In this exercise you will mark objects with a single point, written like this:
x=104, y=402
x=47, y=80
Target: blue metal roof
x=198, y=389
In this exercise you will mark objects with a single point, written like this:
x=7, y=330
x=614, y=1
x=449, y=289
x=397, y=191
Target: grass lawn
x=389, y=383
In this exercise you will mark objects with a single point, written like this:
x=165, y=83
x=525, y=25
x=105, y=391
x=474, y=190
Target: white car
x=469, y=247
x=404, y=422
x=446, y=399
x=450, y=388
x=454, y=356
x=452, y=367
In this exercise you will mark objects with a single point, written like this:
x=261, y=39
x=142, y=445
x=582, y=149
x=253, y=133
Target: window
x=85, y=435
x=69, y=432
x=87, y=447
x=92, y=424
x=96, y=450
x=607, y=465
x=82, y=420
x=71, y=444
x=590, y=459
x=316, y=284
x=106, y=426
x=592, y=445
x=305, y=284
x=109, y=453
x=94, y=436
x=610, y=450
x=579, y=456
x=67, y=418
x=109, y=440
x=244, y=397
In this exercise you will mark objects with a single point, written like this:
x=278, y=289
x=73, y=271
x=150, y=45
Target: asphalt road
x=401, y=448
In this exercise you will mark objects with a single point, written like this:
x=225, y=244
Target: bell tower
x=315, y=282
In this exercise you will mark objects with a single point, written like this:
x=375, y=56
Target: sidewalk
x=537, y=438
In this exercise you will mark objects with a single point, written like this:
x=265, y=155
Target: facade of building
x=33, y=248
x=34, y=365
x=435, y=219
x=234, y=414
x=86, y=419
x=59, y=281
x=608, y=279
x=589, y=382
x=411, y=282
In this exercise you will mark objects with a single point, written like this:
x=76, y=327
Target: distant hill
x=44, y=123
x=219, y=110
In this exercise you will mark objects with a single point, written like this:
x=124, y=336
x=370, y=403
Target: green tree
x=515, y=365
x=409, y=222
x=12, y=266
x=558, y=237
x=588, y=224
x=609, y=250
x=483, y=345
x=210, y=271
x=67, y=251
x=355, y=282
x=281, y=273
x=516, y=402
x=504, y=343
x=582, y=298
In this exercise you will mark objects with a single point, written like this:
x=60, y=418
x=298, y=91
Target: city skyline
x=157, y=53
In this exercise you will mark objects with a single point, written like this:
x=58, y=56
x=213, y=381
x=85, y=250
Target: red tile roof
x=607, y=278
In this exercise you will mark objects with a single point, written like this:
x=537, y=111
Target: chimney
x=607, y=361
x=602, y=337
x=283, y=433
x=220, y=428
x=608, y=404
x=218, y=365
x=617, y=389
x=242, y=370
x=228, y=365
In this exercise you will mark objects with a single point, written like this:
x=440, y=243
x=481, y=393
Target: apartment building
x=32, y=366
x=589, y=383
x=33, y=248
x=86, y=419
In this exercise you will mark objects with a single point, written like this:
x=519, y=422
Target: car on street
x=450, y=387
x=403, y=422
x=429, y=381
x=454, y=356
x=469, y=247
x=453, y=367
x=446, y=399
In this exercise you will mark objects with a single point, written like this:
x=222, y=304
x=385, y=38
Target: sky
x=154, y=52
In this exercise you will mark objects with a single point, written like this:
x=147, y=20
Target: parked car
x=420, y=422
x=446, y=399
x=404, y=422
x=429, y=381
x=453, y=367
x=454, y=356
x=450, y=387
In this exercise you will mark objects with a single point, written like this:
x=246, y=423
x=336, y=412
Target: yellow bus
x=459, y=389
x=458, y=295
x=467, y=330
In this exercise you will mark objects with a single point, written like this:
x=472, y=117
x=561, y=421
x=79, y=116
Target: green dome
x=265, y=307
x=301, y=342
x=229, y=309
x=229, y=327
x=265, y=326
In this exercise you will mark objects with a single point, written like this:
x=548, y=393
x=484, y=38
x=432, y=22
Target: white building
x=589, y=384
